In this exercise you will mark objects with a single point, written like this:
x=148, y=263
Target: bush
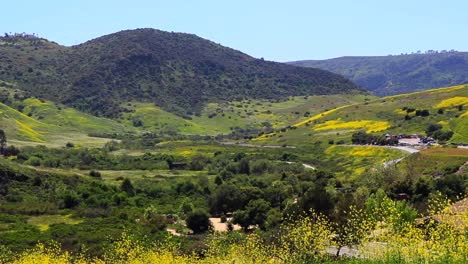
x=137, y=123
x=33, y=161
x=198, y=221
x=10, y=151
x=127, y=187
x=223, y=218
x=95, y=174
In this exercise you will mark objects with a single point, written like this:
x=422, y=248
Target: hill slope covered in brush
x=178, y=72
x=388, y=75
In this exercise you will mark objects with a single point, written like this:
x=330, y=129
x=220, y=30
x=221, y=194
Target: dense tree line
x=363, y=138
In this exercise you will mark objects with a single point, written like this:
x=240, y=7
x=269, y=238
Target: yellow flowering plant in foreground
x=378, y=234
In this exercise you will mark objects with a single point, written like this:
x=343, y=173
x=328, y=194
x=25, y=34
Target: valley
x=150, y=146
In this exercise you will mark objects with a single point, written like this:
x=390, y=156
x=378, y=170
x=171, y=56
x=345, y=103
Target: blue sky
x=276, y=30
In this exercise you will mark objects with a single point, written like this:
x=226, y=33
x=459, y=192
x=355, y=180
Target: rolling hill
x=46, y=122
x=42, y=121
x=392, y=114
x=178, y=72
x=389, y=75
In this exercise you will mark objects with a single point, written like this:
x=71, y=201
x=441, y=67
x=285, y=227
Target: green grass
x=115, y=176
x=68, y=118
x=44, y=221
x=352, y=161
x=44, y=122
x=221, y=118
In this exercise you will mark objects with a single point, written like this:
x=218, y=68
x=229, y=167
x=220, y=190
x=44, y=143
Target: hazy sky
x=276, y=30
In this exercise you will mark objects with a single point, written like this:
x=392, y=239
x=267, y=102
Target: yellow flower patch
x=401, y=111
x=368, y=125
x=444, y=123
x=29, y=132
x=364, y=151
x=186, y=153
x=454, y=101
x=318, y=116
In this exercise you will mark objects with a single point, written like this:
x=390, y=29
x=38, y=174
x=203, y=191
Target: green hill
x=226, y=117
x=178, y=72
x=29, y=119
x=388, y=75
x=392, y=114
x=45, y=122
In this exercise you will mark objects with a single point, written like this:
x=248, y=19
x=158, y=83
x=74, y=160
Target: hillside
x=226, y=117
x=178, y=72
x=392, y=114
x=46, y=122
x=389, y=75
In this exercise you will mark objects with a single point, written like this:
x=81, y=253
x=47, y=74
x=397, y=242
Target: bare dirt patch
x=222, y=227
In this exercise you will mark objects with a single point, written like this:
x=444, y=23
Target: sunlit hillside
x=394, y=114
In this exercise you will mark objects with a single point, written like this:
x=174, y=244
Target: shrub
x=33, y=161
x=198, y=221
x=95, y=174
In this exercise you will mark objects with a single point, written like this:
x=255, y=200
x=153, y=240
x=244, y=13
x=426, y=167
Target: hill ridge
x=397, y=74
x=177, y=71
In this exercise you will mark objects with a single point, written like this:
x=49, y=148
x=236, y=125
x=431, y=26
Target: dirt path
x=307, y=166
x=407, y=149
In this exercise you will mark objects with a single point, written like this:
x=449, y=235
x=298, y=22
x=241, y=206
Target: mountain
x=177, y=72
x=389, y=75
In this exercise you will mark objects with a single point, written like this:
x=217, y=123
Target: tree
x=186, y=207
x=3, y=140
x=228, y=198
x=198, y=221
x=127, y=187
x=433, y=128
x=198, y=162
x=70, y=200
x=241, y=218
x=137, y=123
x=10, y=151
x=218, y=180
x=244, y=167
x=170, y=162
x=435, y=131
x=154, y=220
x=442, y=135
x=255, y=213
x=95, y=174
